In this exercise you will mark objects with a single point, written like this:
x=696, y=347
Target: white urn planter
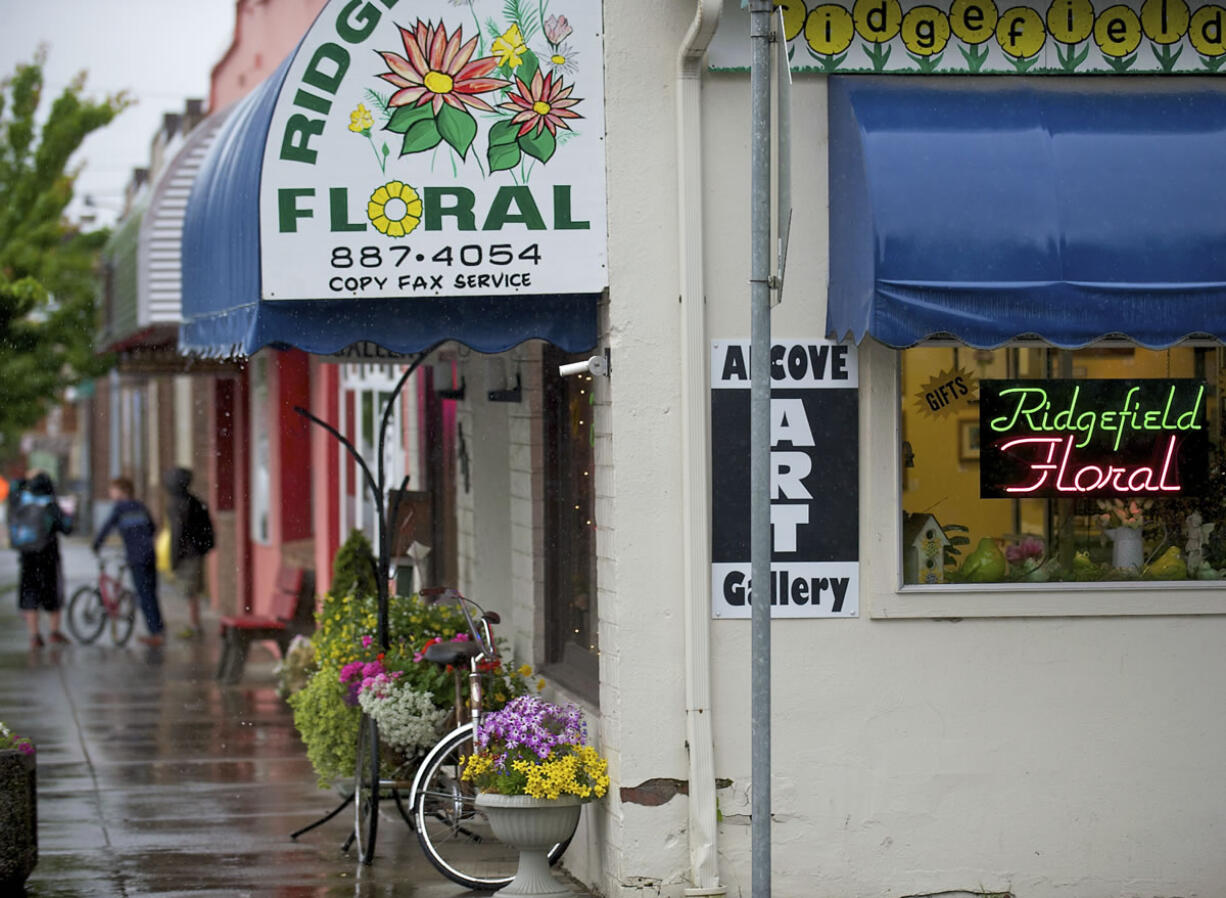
x=532, y=826
x=1128, y=547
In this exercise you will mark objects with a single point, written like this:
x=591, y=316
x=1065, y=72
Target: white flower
x=408, y=721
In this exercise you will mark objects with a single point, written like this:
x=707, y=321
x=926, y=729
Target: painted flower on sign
x=360, y=120
x=438, y=81
x=557, y=29
x=510, y=48
x=437, y=70
x=442, y=81
x=394, y=209
x=543, y=104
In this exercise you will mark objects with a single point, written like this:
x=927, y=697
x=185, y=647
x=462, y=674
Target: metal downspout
x=703, y=836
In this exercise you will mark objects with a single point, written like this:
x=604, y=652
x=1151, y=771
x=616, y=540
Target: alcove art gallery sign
x=814, y=488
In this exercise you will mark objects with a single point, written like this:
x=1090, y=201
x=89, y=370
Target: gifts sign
x=1068, y=438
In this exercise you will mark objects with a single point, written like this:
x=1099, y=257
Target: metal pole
x=759, y=440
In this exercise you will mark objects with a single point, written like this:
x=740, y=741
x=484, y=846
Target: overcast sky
x=159, y=51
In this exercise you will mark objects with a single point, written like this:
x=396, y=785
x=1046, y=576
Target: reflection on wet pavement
x=155, y=780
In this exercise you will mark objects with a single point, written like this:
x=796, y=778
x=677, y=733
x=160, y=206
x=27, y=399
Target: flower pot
x=532, y=826
x=18, y=817
x=1127, y=547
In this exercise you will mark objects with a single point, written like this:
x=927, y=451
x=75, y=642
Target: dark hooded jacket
x=179, y=501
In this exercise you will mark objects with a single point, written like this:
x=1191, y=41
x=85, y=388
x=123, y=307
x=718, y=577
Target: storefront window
x=571, y=620
x=261, y=473
x=1027, y=465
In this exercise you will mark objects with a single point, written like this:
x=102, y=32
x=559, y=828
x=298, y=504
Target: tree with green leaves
x=48, y=267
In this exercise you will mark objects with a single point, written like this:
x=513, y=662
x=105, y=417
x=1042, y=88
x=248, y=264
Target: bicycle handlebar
x=479, y=626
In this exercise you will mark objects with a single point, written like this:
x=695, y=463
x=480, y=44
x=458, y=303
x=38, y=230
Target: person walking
x=35, y=521
x=191, y=538
x=137, y=530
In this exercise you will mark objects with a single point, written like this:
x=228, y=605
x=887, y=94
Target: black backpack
x=31, y=523
x=198, y=526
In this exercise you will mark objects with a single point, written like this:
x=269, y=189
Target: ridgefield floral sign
x=1063, y=37
x=439, y=148
x=1101, y=438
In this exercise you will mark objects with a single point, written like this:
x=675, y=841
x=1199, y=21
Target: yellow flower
x=394, y=209
x=360, y=120
x=829, y=29
x=525, y=670
x=1070, y=21
x=877, y=21
x=972, y=21
x=1202, y=25
x=1117, y=31
x=925, y=30
x=1020, y=32
x=510, y=48
x=1164, y=21
x=793, y=17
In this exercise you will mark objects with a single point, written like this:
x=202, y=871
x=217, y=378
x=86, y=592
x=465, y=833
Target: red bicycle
x=93, y=605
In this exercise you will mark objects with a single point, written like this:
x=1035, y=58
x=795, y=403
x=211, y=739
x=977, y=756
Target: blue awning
x=223, y=314
x=993, y=209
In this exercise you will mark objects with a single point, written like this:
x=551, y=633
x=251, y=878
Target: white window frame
x=400, y=455
x=881, y=562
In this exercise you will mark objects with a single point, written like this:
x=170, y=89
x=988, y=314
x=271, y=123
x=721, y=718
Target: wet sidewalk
x=153, y=779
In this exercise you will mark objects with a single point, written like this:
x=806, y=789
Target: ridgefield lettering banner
x=438, y=149
x=814, y=482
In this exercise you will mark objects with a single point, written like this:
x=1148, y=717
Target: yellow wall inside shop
x=945, y=485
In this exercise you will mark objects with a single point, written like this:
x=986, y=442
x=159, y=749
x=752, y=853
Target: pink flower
x=366, y=641
x=544, y=104
x=438, y=69
x=557, y=29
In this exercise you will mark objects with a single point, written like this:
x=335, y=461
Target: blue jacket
x=135, y=527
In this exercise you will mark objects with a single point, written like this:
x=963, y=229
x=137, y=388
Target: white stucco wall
x=1060, y=756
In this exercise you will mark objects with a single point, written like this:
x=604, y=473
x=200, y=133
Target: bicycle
x=93, y=605
x=453, y=832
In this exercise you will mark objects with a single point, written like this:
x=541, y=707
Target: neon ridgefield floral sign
x=1062, y=37
x=1092, y=438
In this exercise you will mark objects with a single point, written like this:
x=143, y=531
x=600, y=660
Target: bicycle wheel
x=123, y=619
x=454, y=833
x=366, y=789
x=86, y=616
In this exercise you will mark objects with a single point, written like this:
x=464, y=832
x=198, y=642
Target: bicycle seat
x=452, y=653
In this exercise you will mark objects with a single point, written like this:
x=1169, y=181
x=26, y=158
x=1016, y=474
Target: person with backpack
x=191, y=538
x=137, y=530
x=35, y=521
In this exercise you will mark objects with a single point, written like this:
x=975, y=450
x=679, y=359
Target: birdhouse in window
x=923, y=543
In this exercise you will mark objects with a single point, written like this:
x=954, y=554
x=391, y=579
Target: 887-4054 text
x=405, y=269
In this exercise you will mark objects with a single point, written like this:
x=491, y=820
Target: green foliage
x=953, y=532
x=353, y=568
x=328, y=726
x=325, y=711
x=48, y=268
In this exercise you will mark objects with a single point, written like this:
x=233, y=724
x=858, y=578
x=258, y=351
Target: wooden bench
x=293, y=613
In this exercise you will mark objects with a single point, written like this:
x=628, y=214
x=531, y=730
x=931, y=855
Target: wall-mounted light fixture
x=597, y=364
